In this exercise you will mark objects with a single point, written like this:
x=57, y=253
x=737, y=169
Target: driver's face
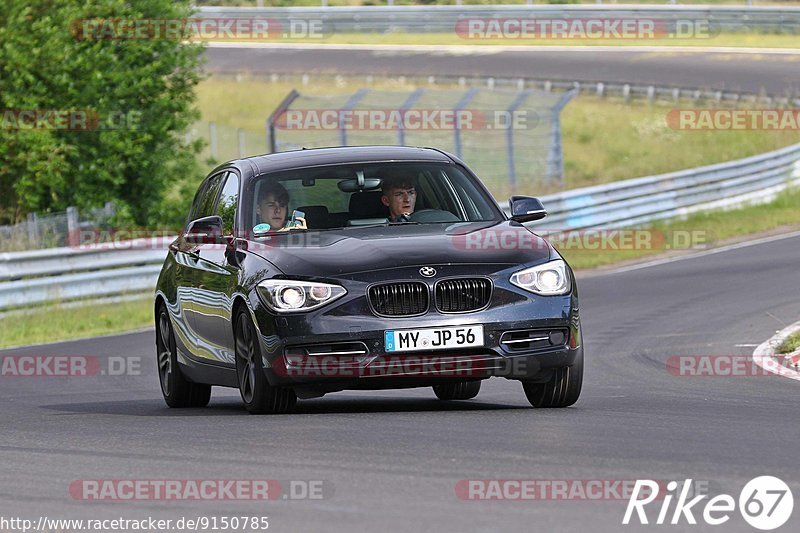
x=400, y=201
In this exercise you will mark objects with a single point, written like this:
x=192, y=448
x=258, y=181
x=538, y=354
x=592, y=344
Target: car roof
x=341, y=155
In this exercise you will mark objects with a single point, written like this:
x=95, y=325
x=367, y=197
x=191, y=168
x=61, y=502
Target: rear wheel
x=177, y=390
x=460, y=390
x=258, y=395
x=562, y=390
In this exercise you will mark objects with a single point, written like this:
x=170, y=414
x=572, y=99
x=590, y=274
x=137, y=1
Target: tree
x=138, y=95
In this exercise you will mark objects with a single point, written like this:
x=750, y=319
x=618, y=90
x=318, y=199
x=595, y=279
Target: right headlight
x=549, y=279
x=286, y=295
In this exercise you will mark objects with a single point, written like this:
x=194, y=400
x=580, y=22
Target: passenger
x=399, y=195
x=272, y=208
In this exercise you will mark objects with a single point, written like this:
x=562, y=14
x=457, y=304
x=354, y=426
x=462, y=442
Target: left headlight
x=549, y=279
x=285, y=295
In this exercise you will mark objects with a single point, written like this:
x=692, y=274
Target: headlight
x=285, y=295
x=549, y=279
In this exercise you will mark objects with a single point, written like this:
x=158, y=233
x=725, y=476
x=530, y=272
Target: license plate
x=406, y=340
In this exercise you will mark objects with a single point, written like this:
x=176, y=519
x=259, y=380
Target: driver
x=399, y=196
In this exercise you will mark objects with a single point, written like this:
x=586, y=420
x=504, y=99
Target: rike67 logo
x=765, y=502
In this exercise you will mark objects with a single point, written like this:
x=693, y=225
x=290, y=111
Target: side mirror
x=207, y=230
x=526, y=209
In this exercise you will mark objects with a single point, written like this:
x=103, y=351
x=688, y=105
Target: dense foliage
x=137, y=93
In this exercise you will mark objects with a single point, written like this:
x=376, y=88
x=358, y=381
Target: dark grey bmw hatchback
x=315, y=271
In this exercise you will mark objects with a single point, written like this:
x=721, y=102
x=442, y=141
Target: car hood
x=333, y=253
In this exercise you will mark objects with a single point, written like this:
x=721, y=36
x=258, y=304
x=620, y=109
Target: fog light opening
x=557, y=338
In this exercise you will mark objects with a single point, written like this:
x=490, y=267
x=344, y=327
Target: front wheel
x=258, y=395
x=563, y=388
x=177, y=390
x=460, y=390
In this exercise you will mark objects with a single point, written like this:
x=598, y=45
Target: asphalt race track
x=390, y=461
x=775, y=74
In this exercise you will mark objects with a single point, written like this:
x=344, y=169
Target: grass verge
x=61, y=322
x=791, y=344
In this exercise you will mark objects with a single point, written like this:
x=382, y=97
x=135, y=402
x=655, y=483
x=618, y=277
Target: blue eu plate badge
x=389, y=340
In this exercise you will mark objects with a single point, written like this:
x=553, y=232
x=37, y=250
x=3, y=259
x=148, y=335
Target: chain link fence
x=511, y=138
x=54, y=229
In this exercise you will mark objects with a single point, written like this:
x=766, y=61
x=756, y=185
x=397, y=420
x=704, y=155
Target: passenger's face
x=272, y=212
x=400, y=201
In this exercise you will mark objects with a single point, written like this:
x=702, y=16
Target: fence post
x=512, y=169
x=240, y=134
x=555, y=155
x=33, y=230
x=212, y=135
x=349, y=105
x=468, y=96
x=272, y=142
x=408, y=104
x=72, y=226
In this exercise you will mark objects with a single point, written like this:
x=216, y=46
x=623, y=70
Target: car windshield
x=358, y=195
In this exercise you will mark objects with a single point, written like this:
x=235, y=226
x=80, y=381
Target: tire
x=177, y=390
x=562, y=390
x=258, y=395
x=460, y=390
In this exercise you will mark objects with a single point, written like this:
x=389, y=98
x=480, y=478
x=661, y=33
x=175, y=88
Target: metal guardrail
x=442, y=18
x=63, y=274
x=72, y=273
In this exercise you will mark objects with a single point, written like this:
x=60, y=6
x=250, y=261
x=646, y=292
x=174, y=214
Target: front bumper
x=343, y=347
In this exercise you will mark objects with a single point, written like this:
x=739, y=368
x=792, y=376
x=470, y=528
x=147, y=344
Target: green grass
x=708, y=228
x=607, y=140
x=790, y=344
x=57, y=323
